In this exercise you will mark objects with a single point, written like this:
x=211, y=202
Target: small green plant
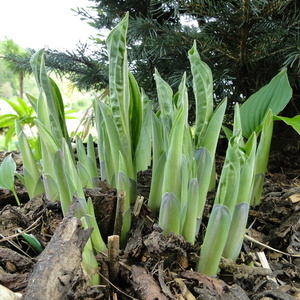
x=274, y=96
x=32, y=241
x=183, y=161
x=7, y=172
x=53, y=170
x=122, y=122
x=24, y=114
x=183, y=155
x=31, y=177
x=227, y=222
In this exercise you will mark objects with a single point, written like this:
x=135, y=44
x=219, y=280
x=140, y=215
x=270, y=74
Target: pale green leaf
x=7, y=120
x=135, y=111
x=214, y=240
x=96, y=238
x=204, y=163
x=237, y=231
x=7, y=171
x=211, y=135
x=169, y=214
x=190, y=220
x=165, y=99
x=89, y=261
x=203, y=90
x=156, y=185
x=275, y=96
x=119, y=82
x=65, y=194
x=294, y=122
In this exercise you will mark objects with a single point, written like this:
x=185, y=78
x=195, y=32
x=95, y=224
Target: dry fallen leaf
x=295, y=198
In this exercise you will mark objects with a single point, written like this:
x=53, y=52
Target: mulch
x=152, y=265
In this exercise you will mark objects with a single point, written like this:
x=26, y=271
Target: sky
x=44, y=23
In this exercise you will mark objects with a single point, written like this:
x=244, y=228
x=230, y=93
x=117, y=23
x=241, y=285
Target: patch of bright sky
x=44, y=23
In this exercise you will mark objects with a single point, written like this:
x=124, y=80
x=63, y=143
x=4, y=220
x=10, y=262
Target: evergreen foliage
x=245, y=43
x=14, y=60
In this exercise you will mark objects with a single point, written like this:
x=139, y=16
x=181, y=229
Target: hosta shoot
x=182, y=152
x=7, y=172
x=131, y=136
x=122, y=122
x=56, y=172
x=31, y=173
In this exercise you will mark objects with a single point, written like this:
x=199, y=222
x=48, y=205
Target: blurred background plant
x=24, y=114
x=15, y=82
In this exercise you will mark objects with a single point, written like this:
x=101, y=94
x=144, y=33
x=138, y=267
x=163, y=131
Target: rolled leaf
x=169, y=214
x=172, y=171
x=237, y=230
x=65, y=194
x=135, y=111
x=124, y=184
x=143, y=151
x=203, y=91
x=96, y=238
x=32, y=175
x=7, y=172
x=190, y=220
x=165, y=99
x=119, y=82
x=214, y=240
x=262, y=157
x=227, y=191
x=89, y=261
x=155, y=195
x=204, y=164
x=53, y=99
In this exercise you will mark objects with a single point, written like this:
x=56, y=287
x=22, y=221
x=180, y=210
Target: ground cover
x=152, y=265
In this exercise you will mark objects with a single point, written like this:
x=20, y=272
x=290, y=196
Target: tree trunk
x=21, y=84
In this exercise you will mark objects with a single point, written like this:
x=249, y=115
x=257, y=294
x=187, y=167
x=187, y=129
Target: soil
x=153, y=266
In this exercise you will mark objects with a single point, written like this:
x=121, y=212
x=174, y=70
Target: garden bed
x=153, y=266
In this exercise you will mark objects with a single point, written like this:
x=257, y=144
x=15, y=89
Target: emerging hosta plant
x=132, y=136
x=54, y=171
x=122, y=121
x=183, y=155
x=229, y=214
x=274, y=96
x=7, y=173
x=184, y=161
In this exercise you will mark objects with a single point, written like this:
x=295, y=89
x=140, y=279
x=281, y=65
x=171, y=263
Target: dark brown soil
x=154, y=266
